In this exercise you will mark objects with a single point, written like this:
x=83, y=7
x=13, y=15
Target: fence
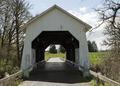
x=104, y=79
x=11, y=80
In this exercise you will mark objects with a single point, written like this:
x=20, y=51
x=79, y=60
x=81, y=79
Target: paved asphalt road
x=56, y=72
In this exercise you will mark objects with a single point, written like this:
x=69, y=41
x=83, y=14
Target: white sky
x=83, y=9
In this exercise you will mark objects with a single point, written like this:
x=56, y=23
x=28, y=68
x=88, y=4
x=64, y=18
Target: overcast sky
x=83, y=9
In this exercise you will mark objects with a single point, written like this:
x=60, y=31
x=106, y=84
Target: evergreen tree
x=94, y=45
x=61, y=49
x=90, y=47
x=52, y=49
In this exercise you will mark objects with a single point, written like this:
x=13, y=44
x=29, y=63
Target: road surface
x=56, y=72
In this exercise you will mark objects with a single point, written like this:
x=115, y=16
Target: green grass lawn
x=95, y=57
x=49, y=55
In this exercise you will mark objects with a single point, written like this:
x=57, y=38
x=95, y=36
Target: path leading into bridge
x=56, y=72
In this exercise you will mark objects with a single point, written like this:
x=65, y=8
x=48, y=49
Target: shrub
x=7, y=62
x=111, y=67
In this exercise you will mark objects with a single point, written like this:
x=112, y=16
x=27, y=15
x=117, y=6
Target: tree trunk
x=17, y=40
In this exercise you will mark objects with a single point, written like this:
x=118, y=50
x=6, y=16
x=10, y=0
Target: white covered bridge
x=55, y=26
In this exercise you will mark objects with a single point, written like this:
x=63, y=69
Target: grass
x=96, y=57
x=94, y=83
x=49, y=55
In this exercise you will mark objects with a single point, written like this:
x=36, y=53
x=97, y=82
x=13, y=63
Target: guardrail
x=104, y=79
x=10, y=80
x=99, y=77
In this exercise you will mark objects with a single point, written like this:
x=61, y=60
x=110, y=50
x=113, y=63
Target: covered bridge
x=55, y=26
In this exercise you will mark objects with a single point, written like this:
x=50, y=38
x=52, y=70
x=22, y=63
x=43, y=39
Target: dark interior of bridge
x=64, y=38
x=60, y=72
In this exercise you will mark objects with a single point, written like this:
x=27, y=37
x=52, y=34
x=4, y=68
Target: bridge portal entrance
x=46, y=38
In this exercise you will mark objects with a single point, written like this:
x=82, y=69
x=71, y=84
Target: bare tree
x=12, y=16
x=110, y=15
x=20, y=14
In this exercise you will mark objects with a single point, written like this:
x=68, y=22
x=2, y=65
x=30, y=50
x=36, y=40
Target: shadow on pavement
x=58, y=72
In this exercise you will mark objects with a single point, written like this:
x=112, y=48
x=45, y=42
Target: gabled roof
x=87, y=27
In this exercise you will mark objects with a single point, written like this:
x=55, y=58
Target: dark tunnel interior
x=64, y=38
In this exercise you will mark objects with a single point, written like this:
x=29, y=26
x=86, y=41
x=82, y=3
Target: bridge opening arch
x=55, y=51
x=64, y=38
